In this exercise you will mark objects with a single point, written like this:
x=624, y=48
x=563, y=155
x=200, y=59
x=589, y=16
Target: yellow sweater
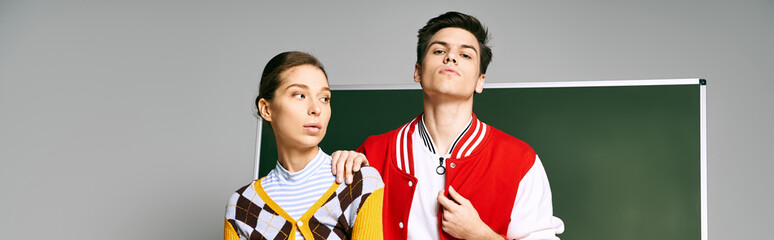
x=343, y=212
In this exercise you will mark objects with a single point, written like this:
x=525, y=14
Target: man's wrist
x=487, y=233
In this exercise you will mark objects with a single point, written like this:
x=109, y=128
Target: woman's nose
x=314, y=108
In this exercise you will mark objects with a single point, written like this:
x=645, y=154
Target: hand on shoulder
x=346, y=163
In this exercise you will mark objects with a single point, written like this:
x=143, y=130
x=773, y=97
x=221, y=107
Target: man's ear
x=480, y=83
x=417, y=73
x=264, y=109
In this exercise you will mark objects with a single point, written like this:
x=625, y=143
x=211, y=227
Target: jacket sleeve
x=532, y=214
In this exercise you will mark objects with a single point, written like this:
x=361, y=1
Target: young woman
x=300, y=199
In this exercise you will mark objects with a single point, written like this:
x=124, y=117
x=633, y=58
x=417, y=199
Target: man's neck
x=444, y=121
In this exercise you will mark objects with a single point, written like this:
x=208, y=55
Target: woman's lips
x=313, y=127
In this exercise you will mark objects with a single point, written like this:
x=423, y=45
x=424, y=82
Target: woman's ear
x=263, y=109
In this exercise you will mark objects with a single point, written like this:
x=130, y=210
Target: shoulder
x=240, y=200
x=508, y=155
x=246, y=190
x=505, y=141
x=369, y=172
x=368, y=179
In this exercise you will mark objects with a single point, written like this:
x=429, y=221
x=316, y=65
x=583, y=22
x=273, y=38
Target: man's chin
x=448, y=94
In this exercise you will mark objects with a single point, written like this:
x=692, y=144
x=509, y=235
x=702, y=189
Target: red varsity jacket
x=486, y=167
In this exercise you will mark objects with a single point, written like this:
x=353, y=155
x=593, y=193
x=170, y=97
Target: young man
x=447, y=174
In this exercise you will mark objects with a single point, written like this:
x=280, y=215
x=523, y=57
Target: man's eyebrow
x=471, y=47
x=439, y=43
x=445, y=44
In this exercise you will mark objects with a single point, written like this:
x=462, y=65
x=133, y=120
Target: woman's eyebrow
x=297, y=85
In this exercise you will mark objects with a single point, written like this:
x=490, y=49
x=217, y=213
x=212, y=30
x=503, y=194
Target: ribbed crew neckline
x=305, y=173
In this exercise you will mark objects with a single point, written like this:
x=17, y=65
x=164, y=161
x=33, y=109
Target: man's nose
x=450, y=58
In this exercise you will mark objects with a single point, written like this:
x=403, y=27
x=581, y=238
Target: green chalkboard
x=623, y=161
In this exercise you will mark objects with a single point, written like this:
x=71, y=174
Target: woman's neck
x=295, y=159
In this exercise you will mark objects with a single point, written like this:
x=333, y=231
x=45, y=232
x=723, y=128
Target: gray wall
x=132, y=120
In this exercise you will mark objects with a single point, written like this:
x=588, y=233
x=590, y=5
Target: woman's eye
x=299, y=95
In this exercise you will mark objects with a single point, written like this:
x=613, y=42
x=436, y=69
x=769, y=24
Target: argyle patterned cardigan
x=344, y=212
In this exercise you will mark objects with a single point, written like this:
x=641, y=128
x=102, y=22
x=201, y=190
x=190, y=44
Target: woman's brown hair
x=270, y=79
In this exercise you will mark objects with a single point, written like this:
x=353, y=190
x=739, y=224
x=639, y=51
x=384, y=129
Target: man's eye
x=325, y=99
x=438, y=52
x=466, y=56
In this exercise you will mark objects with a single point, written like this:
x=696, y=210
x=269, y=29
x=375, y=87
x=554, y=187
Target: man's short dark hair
x=457, y=20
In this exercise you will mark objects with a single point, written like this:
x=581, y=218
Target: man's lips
x=448, y=70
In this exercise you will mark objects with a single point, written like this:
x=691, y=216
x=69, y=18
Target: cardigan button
x=411, y=184
x=452, y=165
x=300, y=223
x=400, y=224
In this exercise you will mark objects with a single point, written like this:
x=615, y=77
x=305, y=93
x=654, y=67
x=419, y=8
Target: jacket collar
x=428, y=140
x=467, y=141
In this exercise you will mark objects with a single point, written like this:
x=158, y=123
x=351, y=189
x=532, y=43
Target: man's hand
x=460, y=219
x=345, y=163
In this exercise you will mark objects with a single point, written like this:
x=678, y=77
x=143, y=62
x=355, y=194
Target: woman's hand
x=345, y=163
